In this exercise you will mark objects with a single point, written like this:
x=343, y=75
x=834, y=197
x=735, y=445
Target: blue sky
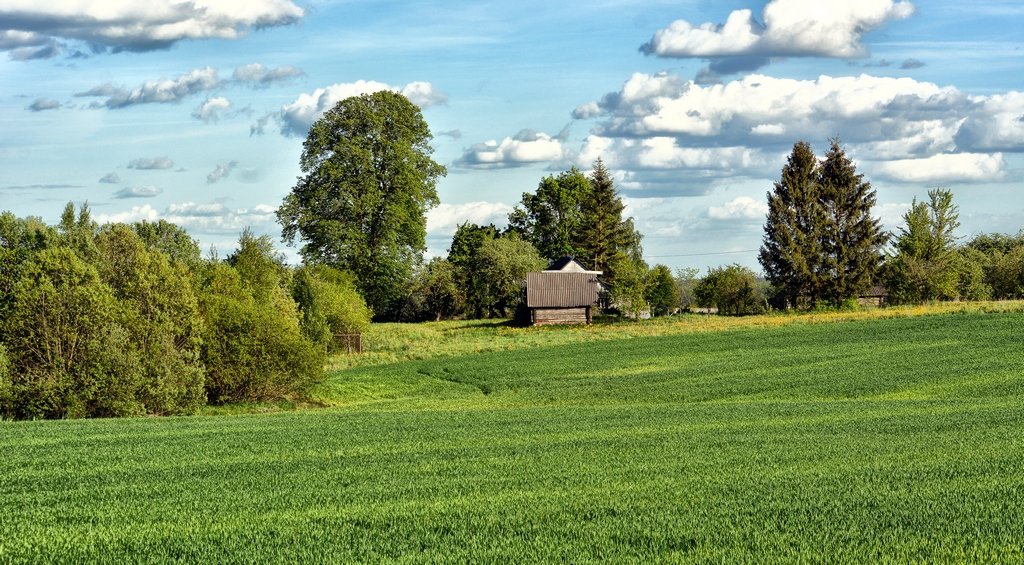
x=195, y=111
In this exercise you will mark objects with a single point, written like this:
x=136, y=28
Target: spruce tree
x=791, y=247
x=852, y=239
x=604, y=238
x=820, y=240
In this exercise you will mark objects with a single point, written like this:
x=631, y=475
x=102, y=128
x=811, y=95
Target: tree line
x=823, y=248
x=123, y=320
x=368, y=179
x=570, y=214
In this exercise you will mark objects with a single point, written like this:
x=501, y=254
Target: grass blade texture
x=868, y=440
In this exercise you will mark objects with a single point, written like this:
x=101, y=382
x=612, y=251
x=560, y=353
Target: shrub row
x=125, y=320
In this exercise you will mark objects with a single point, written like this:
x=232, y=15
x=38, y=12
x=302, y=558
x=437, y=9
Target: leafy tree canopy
x=367, y=182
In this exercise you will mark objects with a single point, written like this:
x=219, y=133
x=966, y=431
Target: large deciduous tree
x=552, y=217
x=367, y=182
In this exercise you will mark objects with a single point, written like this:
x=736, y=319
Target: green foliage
x=78, y=233
x=170, y=239
x=20, y=239
x=661, y=292
x=101, y=321
x=6, y=384
x=926, y=265
x=1006, y=273
x=604, y=237
x=160, y=318
x=552, y=217
x=464, y=258
x=712, y=447
x=686, y=281
x=573, y=215
x=360, y=205
x=63, y=340
x=733, y=290
x=260, y=268
x=969, y=265
x=503, y=264
x=628, y=293
x=329, y=305
x=792, y=246
x=820, y=240
x=255, y=348
x=853, y=239
x=437, y=294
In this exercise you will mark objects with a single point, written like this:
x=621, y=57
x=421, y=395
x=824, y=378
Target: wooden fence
x=351, y=343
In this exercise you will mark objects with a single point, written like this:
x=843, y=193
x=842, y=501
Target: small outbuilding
x=565, y=293
x=874, y=296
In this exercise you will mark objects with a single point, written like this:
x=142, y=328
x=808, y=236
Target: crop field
x=896, y=438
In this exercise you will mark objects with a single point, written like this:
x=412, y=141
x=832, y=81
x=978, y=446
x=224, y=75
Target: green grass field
x=862, y=440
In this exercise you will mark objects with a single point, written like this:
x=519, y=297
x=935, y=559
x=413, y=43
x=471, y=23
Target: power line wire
x=703, y=254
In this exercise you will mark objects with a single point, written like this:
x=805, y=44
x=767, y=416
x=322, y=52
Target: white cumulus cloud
x=136, y=214
x=524, y=148
x=150, y=164
x=739, y=208
x=259, y=76
x=222, y=171
x=446, y=218
x=298, y=116
x=138, y=192
x=952, y=167
x=130, y=25
x=211, y=109
x=157, y=91
x=801, y=28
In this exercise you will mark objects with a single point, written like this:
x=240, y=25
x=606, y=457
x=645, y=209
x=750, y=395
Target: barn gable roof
x=561, y=289
x=568, y=264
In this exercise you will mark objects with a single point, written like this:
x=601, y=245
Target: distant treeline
x=125, y=320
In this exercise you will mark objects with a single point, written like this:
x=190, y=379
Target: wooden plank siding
x=561, y=290
x=545, y=316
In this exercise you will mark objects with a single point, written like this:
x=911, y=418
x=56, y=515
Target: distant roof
x=561, y=289
x=569, y=264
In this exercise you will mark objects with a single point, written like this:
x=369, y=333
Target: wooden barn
x=565, y=293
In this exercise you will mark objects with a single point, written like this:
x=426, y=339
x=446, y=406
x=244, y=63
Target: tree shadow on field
x=488, y=324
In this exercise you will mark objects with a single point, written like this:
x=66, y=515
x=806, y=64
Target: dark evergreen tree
x=792, y=244
x=604, y=238
x=852, y=239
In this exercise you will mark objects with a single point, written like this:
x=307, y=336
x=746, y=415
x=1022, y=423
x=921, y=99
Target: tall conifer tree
x=792, y=242
x=820, y=240
x=604, y=238
x=853, y=239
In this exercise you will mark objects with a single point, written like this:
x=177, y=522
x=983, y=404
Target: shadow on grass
x=488, y=324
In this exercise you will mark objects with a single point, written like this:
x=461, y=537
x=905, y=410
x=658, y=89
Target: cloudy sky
x=195, y=111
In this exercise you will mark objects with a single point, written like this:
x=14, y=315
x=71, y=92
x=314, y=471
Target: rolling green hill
x=863, y=440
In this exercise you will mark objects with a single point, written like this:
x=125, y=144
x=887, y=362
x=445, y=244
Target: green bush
x=63, y=340
x=253, y=350
x=734, y=290
x=329, y=304
x=161, y=315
